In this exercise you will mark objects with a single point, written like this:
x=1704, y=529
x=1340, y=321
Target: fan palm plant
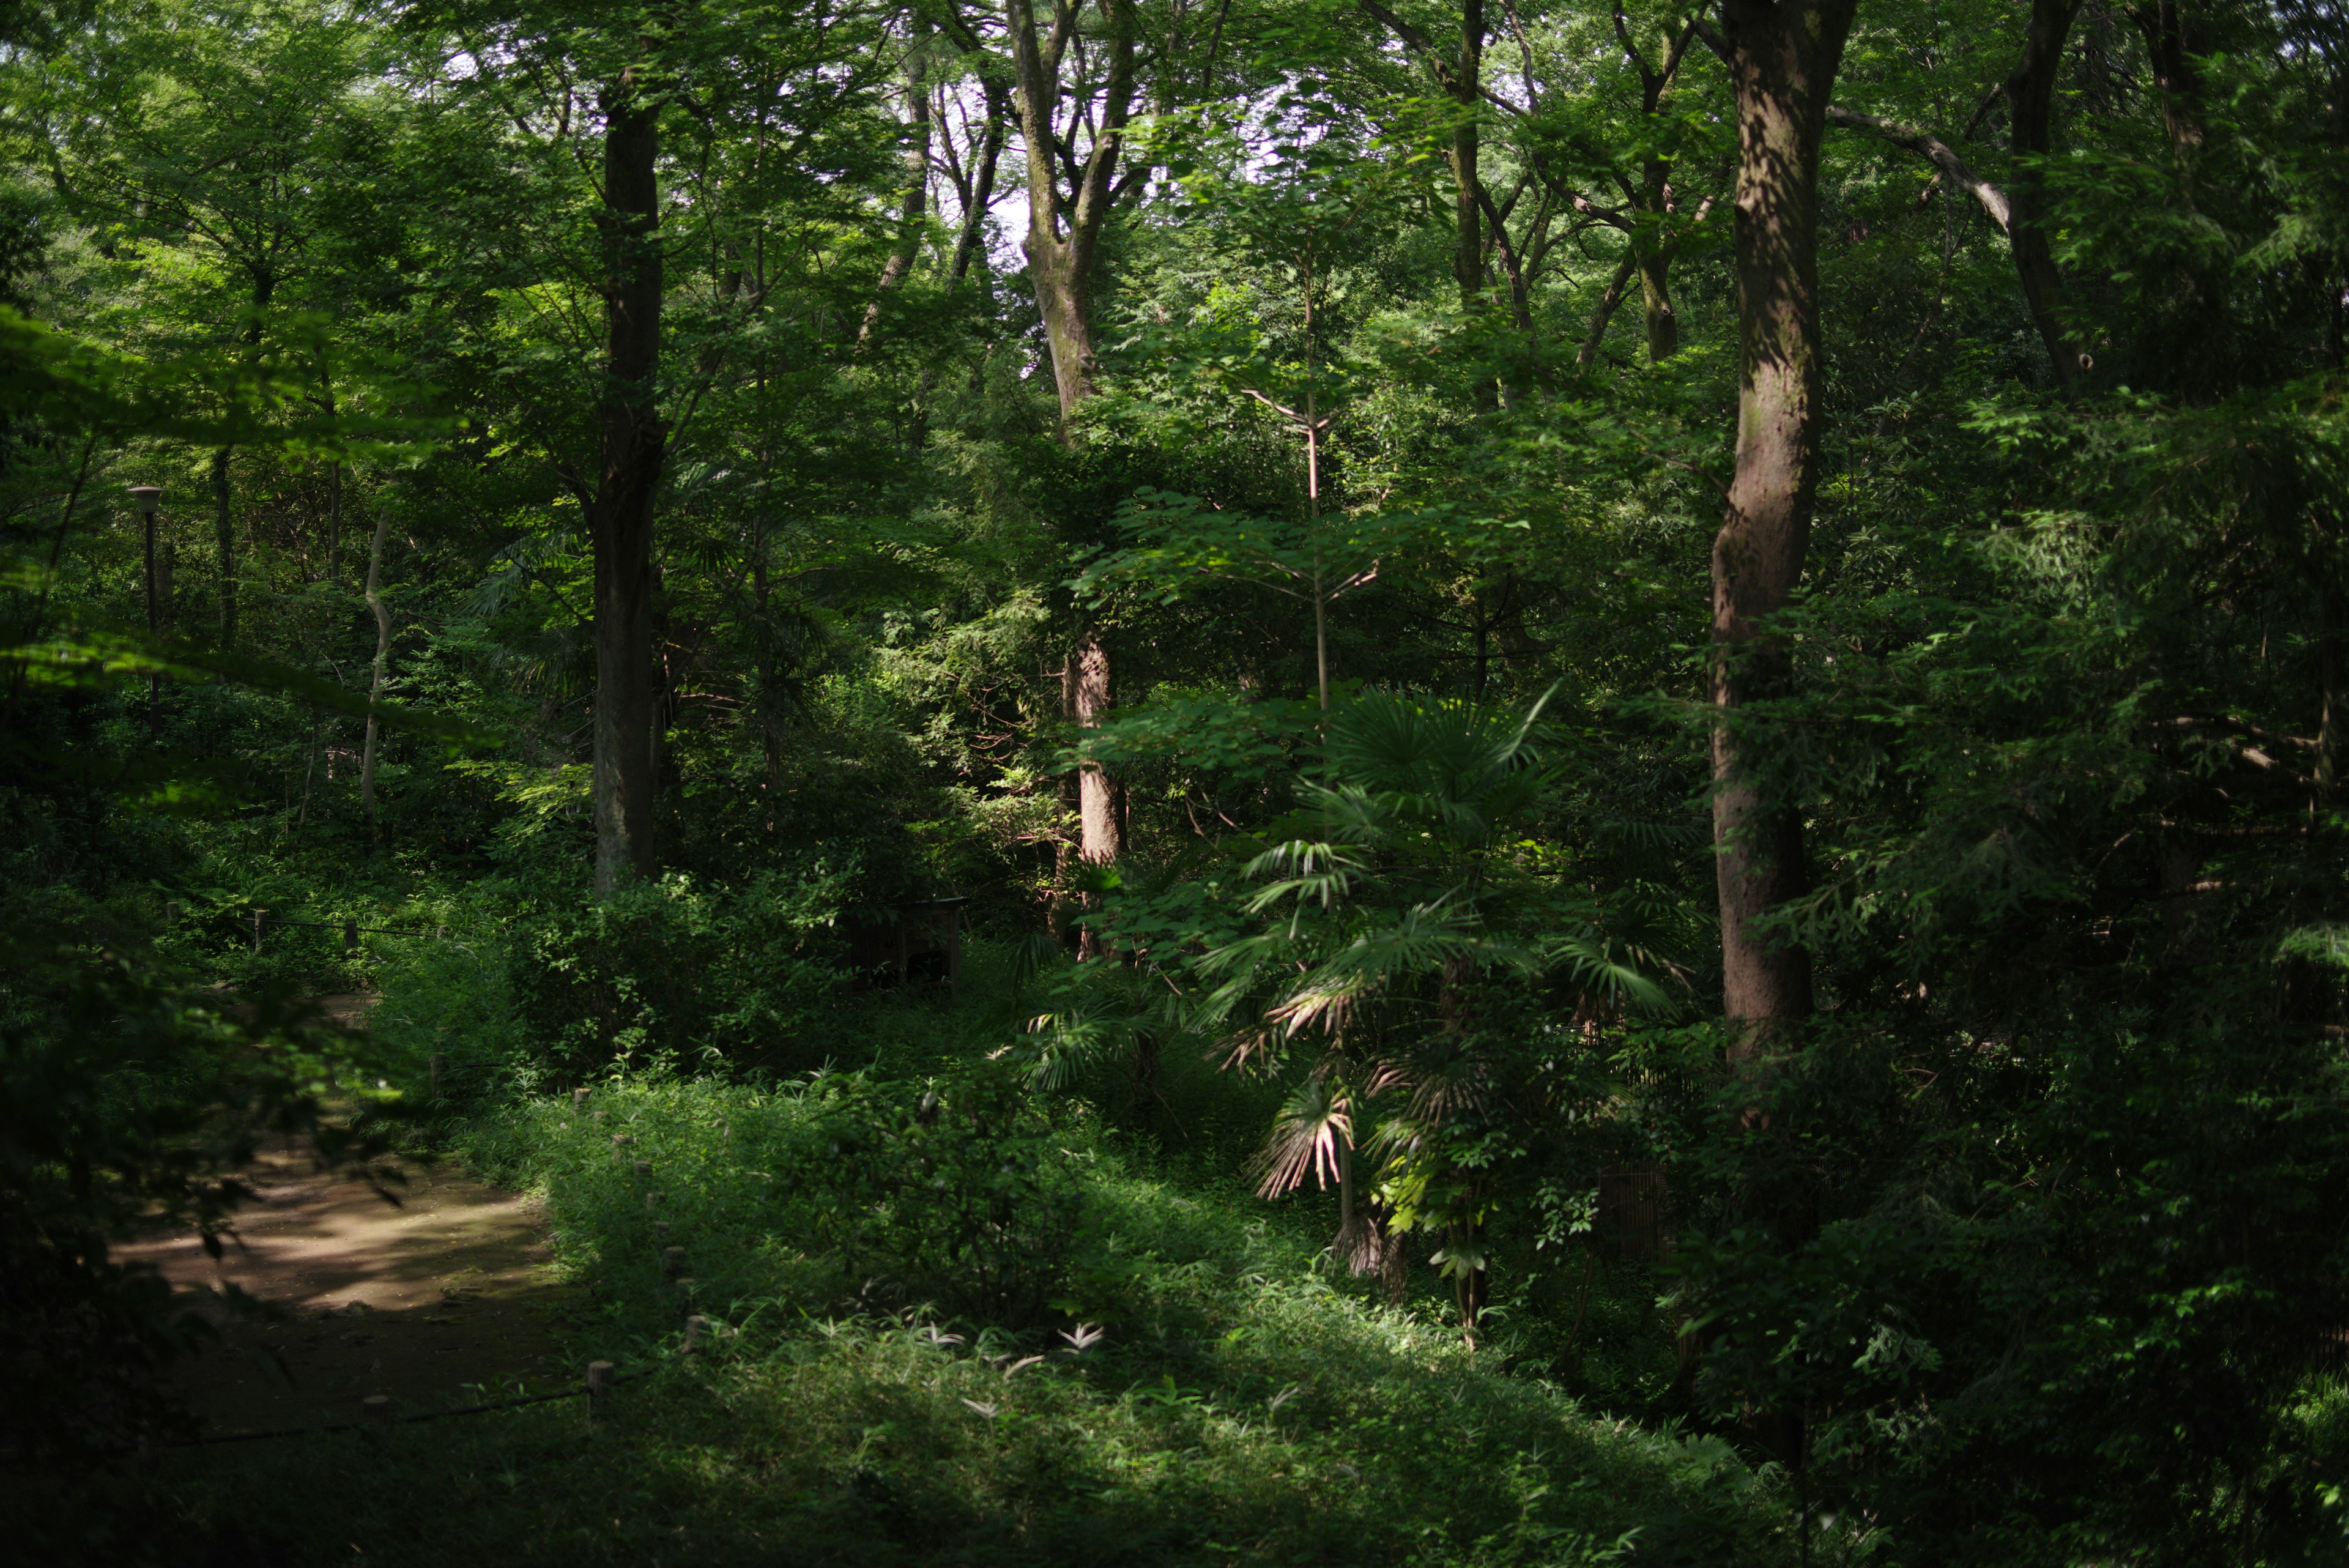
x=1410, y=945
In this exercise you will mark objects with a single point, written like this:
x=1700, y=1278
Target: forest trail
x=451, y=1288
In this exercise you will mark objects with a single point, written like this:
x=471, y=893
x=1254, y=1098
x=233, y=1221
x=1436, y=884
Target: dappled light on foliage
x=1352, y=782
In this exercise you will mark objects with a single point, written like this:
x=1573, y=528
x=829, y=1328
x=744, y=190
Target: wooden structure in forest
x=1634, y=1218
x=917, y=943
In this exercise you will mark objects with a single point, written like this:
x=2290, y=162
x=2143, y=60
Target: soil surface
x=446, y=1296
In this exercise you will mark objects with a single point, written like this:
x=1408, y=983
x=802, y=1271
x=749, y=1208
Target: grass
x=900, y=1284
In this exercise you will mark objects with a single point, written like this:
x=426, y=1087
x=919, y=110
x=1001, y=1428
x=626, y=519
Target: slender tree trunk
x=225, y=549
x=1612, y=296
x=310, y=774
x=916, y=203
x=2031, y=102
x=633, y=444
x=1783, y=60
x=1468, y=243
x=1100, y=799
x=375, y=679
x=973, y=229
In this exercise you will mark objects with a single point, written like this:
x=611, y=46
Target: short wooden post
x=434, y=1066
x=599, y=1388
x=695, y=1327
x=620, y=1142
x=578, y=1098
x=644, y=1167
x=655, y=1199
x=378, y=1411
x=684, y=1294
x=660, y=1232
x=673, y=1260
x=258, y=916
x=350, y=936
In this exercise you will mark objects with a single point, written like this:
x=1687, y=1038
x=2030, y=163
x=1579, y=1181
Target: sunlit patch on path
x=453, y=1287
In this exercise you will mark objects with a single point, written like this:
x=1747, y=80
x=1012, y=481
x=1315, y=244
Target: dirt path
x=452, y=1290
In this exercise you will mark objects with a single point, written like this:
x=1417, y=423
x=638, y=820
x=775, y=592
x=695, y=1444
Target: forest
x=1451, y=784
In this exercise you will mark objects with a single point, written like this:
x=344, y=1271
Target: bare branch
x=1939, y=154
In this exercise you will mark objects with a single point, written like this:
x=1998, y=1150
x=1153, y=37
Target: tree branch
x=1939, y=154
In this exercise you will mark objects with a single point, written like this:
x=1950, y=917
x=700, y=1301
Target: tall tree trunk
x=1653, y=252
x=1064, y=230
x=1656, y=298
x=633, y=444
x=973, y=229
x=225, y=549
x=1063, y=236
x=1783, y=60
x=1100, y=799
x=914, y=206
x=375, y=682
x=2030, y=104
x=2177, y=37
x=1468, y=242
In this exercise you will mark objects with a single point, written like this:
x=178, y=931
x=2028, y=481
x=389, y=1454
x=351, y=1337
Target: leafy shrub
x=961, y=1196
x=666, y=975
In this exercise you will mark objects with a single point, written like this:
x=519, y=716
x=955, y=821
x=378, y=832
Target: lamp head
x=147, y=497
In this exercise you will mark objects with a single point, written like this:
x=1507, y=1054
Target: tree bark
x=914, y=206
x=1064, y=230
x=1063, y=237
x=1468, y=244
x=1101, y=800
x=2030, y=104
x=1782, y=62
x=633, y=444
x=375, y=683
x=982, y=186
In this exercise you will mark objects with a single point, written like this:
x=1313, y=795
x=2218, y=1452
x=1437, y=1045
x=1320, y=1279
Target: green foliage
x=667, y=977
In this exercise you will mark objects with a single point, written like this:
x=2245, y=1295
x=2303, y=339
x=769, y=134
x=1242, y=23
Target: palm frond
x=1306, y=1137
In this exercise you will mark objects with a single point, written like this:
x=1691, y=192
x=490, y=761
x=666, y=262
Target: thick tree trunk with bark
x=1468, y=243
x=1063, y=236
x=2031, y=105
x=1783, y=60
x=621, y=518
x=1064, y=229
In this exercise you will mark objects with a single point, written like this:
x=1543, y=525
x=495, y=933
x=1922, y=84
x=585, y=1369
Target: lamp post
x=149, y=498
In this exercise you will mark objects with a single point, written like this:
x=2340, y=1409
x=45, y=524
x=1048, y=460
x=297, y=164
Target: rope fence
x=382, y=1411
x=352, y=930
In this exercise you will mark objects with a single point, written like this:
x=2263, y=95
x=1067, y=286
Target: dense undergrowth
x=954, y=1321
